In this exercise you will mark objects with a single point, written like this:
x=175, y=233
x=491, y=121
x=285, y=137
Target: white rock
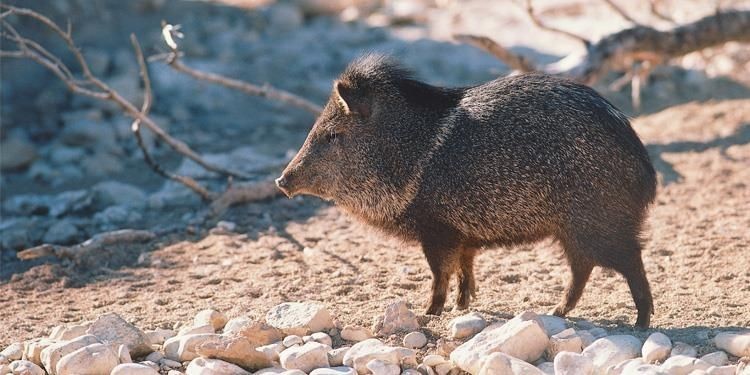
x=611, y=350
x=272, y=351
x=4, y=360
x=547, y=367
x=363, y=352
x=628, y=366
x=564, y=341
x=339, y=370
x=355, y=333
x=501, y=363
x=52, y=354
x=195, y=330
x=322, y=337
x=433, y=360
x=170, y=363
x=718, y=358
x=683, y=365
x=656, y=348
x=552, y=324
x=62, y=333
x=300, y=318
x=32, y=350
x=236, y=324
x=94, y=359
x=445, y=368
x=569, y=363
x=722, y=370
x=306, y=357
x=22, y=367
x=586, y=338
x=205, y=366
x=411, y=371
x=397, y=317
x=734, y=343
x=123, y=354
x=112, y=329
x=336, y=356
x=415, y=340
x=241, y=348
x=681, y=348
x=425, y=370
x=521, y=337
x=13, y=352
x=292, y=340
x=380, y=367
x=466, y=325
x=133, y=369
x=183, y=348
x=293, y=372
x=5, y=368
x=211, y=317
x=158, y=336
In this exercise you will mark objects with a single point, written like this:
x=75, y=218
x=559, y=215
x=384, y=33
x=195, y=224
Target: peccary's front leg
x=466, y=284
x=443, y=261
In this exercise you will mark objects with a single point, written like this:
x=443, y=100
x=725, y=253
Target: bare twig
x=543, y=26
x=96, y=242
x=239, y=194
x=653, y=8
x=621, y=12
x=511, y=59
x=265, y=91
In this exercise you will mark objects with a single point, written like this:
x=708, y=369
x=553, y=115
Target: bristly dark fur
x=510, y=161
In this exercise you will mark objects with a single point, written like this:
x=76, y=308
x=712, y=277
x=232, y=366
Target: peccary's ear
x=351, y=99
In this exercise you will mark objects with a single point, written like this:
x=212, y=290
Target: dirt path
x=697, y=259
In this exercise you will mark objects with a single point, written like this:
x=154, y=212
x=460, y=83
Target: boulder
x=656, y=348
x=112, y=329
x=52, y=354
x=236, y=349
x=569, y=363
x=734, y=343
x=339, y=370
x=380, y=367
x=466, y=325
x=500, y=363
x=306, y=357
x=23, y=367
x=611, y=350
x=564, y=341
x=300, y=318
x=397, y=318
x=683, y=365
x=94, y=359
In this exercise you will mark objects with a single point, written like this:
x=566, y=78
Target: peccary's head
x=363, y=151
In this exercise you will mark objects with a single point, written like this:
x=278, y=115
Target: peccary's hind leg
x=640, y=289
x=443, y=260
x=580, y=267
x=466, y=284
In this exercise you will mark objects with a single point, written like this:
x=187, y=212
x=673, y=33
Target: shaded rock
x=272, y=351
x=300, y=318
x=194, y=330
x=307, y=357
x=611, y=350
x=52, y=354
x=415, y=340
x=114, y=216
x=734, y=343
x=112, y=329
x=115, y=193
x=564, y=341
x=718, y=358
x=363, y=352
x=656, y=348
x=630, y=366
x=133, y=369
x=183, y=348
x=236, y=324
x=355, y=333
x=123, y=354
x=397, y=317
x=16, y=154
x=380, y=367
x=87, y=129
x=681, y=348
x=466, y=325
x=94, y=359
x=61, y=233
x=552, y=324
x=154, y=357
x=211, y=317
x=339, y=370
x=237, y=349
x=521, y=337
x=567, y=363
x=322, y=338
x=205, y=366
x=547, y=368
x=683, y=365
x=159, y=335
x=336, y=356
x=501, y=363
x=425, y=370
x=23, y=367
x=291, y=340
x=32, y=350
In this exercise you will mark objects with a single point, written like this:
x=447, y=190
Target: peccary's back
x=522, y=157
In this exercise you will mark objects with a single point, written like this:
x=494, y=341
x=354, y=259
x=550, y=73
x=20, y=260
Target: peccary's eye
x=331, y=136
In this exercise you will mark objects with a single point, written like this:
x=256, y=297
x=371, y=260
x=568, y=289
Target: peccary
x=507, y=162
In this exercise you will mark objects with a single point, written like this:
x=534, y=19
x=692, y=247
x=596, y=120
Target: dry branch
x=97, y=242
x=266, y=91
x=243, y=194
x=621, y=12
x=511, y=59
x=533, y=17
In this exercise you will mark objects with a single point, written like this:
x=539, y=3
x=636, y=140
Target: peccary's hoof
x=558, y=311
x=642, y=323
x=434, y=310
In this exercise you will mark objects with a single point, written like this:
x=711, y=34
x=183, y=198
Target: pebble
x=23, y=367
x=158, y=336
x=356, y=333
x=91, y=359
x=568, y=363
x=397, y=318
x=110, y=328
x=235, y=324
x=13, y=351
x=433, y=360
x=16, y=154
x=32, y=350
x=182, y=348
x=62, y=232
x=466, y=325
x=307, y=357
x=564, y=341
x=292, y=340
x=205, y=366
x=322, y=337
x=681, y=348
x=501, y=363
x=611, y=350
x=210, y=317
x=154, y=357
x=380, y=367
x=656, y=348
x=338, y=370
x=521, y=337
x=415, y=340
x=300, y=318
x=336, y=356
x=133, y=369
x=734, y=343
x=241, y=347
x=363, y=352
x=683, y=365
x=718, y=358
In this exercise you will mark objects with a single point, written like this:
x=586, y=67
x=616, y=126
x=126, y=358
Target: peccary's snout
x=283, y=184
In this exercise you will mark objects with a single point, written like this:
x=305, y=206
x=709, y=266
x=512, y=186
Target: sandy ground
x=304, y=249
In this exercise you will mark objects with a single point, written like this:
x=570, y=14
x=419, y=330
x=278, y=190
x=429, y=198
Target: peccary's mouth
x=283, y=184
